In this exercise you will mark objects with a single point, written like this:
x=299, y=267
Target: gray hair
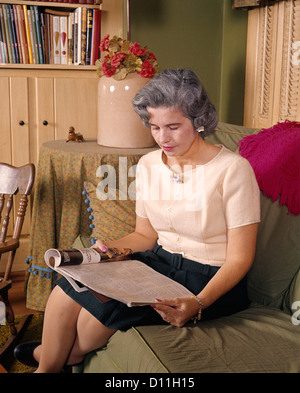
x=180, y=89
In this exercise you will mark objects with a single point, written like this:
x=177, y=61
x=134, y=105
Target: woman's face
x=172, y=131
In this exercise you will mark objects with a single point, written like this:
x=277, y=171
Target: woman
x=197, y=212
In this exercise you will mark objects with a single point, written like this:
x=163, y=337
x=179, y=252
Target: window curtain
x=252, y=3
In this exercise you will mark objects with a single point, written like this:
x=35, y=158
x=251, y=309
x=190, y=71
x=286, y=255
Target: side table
x=59, y=214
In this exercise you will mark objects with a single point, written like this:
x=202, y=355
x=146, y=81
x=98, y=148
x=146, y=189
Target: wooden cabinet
x=40, y=105
x=14, y=130
x=40, y=102
x=5, y=134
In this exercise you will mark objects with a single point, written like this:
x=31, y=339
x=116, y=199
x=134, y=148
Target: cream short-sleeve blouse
x=191, y=216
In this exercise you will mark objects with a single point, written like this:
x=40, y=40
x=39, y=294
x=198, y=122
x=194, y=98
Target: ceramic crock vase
x=118, y=124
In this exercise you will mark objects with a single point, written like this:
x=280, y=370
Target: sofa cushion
x=259, y=339
x=229, y=135
x=276, y=260
x=277, y=252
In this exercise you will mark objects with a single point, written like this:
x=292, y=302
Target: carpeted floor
x=32, y=333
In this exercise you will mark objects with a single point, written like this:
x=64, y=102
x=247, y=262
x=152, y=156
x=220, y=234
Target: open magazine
x=113, y=275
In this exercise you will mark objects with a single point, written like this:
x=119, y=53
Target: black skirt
x=193, y=275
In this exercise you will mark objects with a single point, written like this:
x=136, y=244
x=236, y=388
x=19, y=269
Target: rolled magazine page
x=55, y=258
x=61, y=257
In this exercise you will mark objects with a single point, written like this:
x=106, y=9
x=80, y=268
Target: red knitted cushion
x=274, y=154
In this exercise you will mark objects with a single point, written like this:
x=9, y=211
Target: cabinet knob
x=45, y=122
x=21, y=122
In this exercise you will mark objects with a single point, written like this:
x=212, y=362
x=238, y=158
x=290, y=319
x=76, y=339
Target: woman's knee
x=60, y=302
x=91, y=335
x=91, y=327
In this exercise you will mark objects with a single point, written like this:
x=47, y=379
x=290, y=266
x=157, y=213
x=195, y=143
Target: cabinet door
x=19, y=120
x=5, y=139
x=75, y=105
x=19, y=130
x=45, y=122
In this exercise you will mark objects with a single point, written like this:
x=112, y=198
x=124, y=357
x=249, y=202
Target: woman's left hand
x=177, y=311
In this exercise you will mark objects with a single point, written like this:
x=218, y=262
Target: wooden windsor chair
x=13, y=181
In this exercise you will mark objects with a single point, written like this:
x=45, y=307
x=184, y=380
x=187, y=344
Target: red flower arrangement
x=121, y=57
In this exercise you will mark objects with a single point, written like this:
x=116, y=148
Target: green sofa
x=264, y=338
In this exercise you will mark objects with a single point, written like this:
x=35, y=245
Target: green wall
x=205, y=35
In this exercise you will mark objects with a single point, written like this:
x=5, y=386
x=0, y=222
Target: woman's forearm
x=135, y=241
x=142, y=239
x=222, y=282
x=239, y=258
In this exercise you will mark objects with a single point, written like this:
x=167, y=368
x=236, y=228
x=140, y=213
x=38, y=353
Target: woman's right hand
x=100, y=245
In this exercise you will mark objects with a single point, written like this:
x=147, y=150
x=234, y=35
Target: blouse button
x=168, y=209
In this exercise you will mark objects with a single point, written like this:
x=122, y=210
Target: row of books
x=71, y=1
x=37, y=35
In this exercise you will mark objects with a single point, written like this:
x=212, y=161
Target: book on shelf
x=83, y=35
x=30, y=34
x=22, y=31
x=56, y=39
x=33, y=32
x=3, y=43
x=38, y=27
x=95, y=36
x=17, y=29
x=70, y=37
x=63, y=34
x=113, y=275
x=77, y=36
x=7, y=34
x=89, y=30
x=11, y=33
x=29, y=45
x=90, y=2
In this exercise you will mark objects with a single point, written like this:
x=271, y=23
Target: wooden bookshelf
x=112, y=22
x=39, y=102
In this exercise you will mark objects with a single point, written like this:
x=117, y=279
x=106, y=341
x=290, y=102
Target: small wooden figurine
x=73, y=136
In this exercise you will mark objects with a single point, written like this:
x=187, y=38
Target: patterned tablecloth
x=59, y=213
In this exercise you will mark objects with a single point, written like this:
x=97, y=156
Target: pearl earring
x=200, y=129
